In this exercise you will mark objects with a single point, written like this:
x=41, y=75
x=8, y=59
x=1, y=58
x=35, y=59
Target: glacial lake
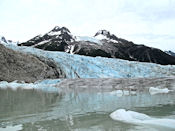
x=34, y=110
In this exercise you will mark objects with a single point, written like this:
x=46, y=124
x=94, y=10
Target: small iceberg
x=118, y=93
x=125, y=92
x=121, y=93
x=142, y=119
x=12, y=128
x=47, y=85
x=153, y=90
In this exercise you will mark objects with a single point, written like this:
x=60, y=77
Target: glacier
x=76, y=66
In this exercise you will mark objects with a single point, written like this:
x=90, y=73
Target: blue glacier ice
x=77, y=66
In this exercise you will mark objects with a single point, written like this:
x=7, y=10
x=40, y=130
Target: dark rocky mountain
x=103, y=44
x=170, y=53
x=55, y=40
x=2, y=39
x=23, y=67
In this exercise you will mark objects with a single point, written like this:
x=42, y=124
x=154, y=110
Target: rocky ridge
x=103, y=44
x=25, y=67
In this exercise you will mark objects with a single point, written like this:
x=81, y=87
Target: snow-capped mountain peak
x=103, y=32
x=59, y=30
x=64, y=29
x=106, y=35
x=56, y=34
x=56, y=28
x=55, y=39
x=104, y=44
x=99, y=37
x=3, y=40
x=61, y=33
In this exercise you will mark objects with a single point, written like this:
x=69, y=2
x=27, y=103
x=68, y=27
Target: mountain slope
x=55, y=40
x=103, y=44
x=170, y=53
x=23, y=67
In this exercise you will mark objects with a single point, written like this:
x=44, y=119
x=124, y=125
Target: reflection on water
x=37, y=110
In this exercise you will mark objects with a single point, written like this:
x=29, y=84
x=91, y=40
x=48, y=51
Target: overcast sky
x=149, y=22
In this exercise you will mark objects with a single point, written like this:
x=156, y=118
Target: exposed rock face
x=103, y=44
x=23, y=67
x=2, y=39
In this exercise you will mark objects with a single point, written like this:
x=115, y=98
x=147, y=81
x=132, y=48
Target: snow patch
x=114, y=41
x=72, y=49
x=41, y=43
x=90, y=39
x=104, y=32
x=103, y=37
x=38, y=37
x=57, y=27
x=141, y=119
x=52, y=33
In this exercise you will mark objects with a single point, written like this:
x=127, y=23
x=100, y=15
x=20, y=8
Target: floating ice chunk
x=125, y=92
x=153, y=90
x=48, y=81
x=12, y=128
x=69, y=118
x=141, y=119
x=47, y=85
x=118, y=93
x=133, y=92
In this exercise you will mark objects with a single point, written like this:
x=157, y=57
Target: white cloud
x=130, y=19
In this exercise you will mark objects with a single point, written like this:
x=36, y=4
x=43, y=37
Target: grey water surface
x=32, y=110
